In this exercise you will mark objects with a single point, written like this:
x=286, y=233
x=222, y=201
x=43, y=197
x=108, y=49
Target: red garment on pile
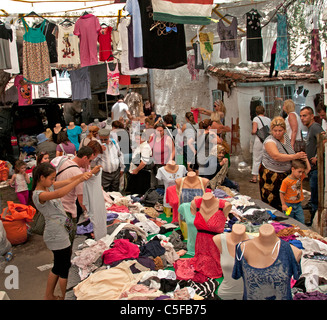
x=122, y=249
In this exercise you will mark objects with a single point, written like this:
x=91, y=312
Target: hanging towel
x=183, y=11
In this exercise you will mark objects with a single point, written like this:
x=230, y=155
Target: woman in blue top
x=73, y=133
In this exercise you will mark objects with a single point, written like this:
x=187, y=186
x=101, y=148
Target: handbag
x=263, y=132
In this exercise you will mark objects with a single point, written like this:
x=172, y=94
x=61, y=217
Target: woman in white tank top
x=293, y=121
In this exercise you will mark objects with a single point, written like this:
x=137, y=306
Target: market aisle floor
x=29, y=256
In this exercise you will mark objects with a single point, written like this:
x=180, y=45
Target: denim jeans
x=313, y=180
x=297, y=211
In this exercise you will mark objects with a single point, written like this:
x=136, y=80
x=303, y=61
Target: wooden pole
x=321, y=179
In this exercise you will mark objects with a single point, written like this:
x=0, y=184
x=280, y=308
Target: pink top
x=87, y=28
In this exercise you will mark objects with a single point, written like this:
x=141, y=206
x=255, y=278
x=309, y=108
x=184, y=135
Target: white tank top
x=299, y=126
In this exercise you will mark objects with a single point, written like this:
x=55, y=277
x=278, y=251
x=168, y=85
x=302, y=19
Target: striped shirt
x=111, y=159
x=274, y=165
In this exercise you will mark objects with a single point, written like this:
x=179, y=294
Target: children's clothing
x=21, y=188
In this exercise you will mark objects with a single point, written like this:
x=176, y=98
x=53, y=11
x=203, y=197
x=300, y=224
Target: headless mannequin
x=84, y=127
x=262, y=251
x=232, y=238
x=191, y=181
x=171, y=167
x=209, y=206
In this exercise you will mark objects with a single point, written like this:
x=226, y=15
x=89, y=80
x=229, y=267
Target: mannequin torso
x=191, y=181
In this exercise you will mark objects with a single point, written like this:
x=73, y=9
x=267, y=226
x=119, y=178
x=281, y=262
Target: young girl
x=43, y=156
x=19, y=180
x=46, y=197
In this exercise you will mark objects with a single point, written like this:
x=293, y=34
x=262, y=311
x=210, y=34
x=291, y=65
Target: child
x=20, y=180
x=46, y=197
x=291, y=192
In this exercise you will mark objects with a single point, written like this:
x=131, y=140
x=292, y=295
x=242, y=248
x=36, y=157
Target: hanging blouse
x=316, y=64
x=281, y=60
x=228, y=36
x=68, y=47
x=254, y=47
x=113, y=80
x=36, y=60
x=105, y=49
x=13, y=53
x=5, y=39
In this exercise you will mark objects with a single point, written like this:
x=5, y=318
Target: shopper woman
x=258, y=122
x=276, y=162
x=293, y=121
x=64, y=147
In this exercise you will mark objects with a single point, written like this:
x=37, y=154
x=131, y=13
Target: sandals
x=253, y=181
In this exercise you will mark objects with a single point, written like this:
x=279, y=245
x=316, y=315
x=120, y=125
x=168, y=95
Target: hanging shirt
x=80, y=82
x=132, y=6
x=87, y=28
x=228, y=36
x=104, y=39
x=316, y=65
x=68, y=47
x=183, y=11
x=113, y=80
x=5, y=39
x=163, y=43
x=13, y=53
x=24, y=91
x=281, y=62
x=254, y=47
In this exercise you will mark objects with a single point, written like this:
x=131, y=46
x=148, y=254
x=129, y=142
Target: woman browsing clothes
x=276, y=162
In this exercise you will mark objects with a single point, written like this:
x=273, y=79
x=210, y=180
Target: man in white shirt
x=120, y=109
x=111, y=161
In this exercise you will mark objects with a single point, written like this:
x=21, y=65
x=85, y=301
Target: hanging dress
x=254, y=47
x=113, y=81
x=281, y=60
x=36, y=60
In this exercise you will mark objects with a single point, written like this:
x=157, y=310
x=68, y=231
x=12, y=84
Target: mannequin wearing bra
x=267, y=264
x=230, y=289
x=262, y=251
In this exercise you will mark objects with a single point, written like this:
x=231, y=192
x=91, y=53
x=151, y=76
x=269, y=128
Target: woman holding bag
x=258, y=122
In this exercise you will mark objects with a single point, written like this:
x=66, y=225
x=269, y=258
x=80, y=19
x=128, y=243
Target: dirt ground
x=29, y=256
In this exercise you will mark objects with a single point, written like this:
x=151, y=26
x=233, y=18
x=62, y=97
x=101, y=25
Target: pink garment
x=122, y=249
x=273, y=50
x=24, y=91
x=87, y=28
x=105, y=50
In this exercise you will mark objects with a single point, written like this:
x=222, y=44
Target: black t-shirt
x=164, y=45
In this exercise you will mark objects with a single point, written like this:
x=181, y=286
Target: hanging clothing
x=113, y=80
x=13, y=53
x=198, y=58
x=24, y=91
x=228, y=36
x=50, y=37
x=123, y=48
x=134, y=62
x=281, y=59
x=105, y=49
x=36, y=61
x=6, y=36
x=68, y=47
x=181, y=11
x=133, y=8
x=316, y=64
x=270, y=283
x=206, y=45
x=272, y=60
x=87, y=28
x=80, y=82
x=164, y=44
x=254, y=47
x=191, y=68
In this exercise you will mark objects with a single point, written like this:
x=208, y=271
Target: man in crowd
x=120, y=110
x=314, y=128
x=111, y=161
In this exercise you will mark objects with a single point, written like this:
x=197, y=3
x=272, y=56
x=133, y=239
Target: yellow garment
x=108, y=284
x=206, y=44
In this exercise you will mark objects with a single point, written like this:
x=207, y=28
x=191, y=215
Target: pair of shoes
x=253, y=181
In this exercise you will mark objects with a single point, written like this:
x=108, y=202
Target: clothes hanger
x=33, y=13
x=85, y=13
x=68, y=21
